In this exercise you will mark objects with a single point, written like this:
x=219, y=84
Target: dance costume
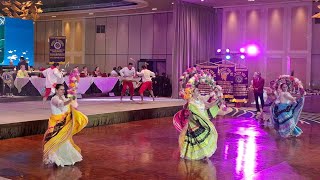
x=64, y=122
x=52, y=75
x=198, y=136
x=285, y=117
x=147, y=76
x=285, y=113
x=128, y=75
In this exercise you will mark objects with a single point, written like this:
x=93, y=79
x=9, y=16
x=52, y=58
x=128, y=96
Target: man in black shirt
x=22, y=62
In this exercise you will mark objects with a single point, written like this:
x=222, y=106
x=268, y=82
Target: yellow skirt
x=59, y=147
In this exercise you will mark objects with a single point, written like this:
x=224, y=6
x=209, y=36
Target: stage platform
x=31, y=117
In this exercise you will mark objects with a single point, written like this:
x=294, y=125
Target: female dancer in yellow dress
x=198, y=137
x=65, y=121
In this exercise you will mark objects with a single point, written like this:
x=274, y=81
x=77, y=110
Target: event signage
x=225, y=79
x=233, y=80
x=57, y=48
x=240, y=86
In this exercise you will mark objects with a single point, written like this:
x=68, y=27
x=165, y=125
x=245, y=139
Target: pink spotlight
x=252, y=50
x=242, y=50
x=228, y=50
x=218, y=50
x=242, y=56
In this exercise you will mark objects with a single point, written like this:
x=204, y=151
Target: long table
x=104, y=84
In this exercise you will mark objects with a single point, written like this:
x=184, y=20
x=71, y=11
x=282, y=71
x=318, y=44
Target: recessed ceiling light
x=53, y=16
x=172, y=3
x=154, y=9
x=202, y=0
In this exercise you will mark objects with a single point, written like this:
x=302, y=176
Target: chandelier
x=23, y=10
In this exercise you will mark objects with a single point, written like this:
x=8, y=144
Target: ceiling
x=61, y=9
x=72, y=5
x=227, y=3
x=136, y=7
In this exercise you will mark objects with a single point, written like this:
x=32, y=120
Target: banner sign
x=57, y=49
x=225, y=79
x=240, y=86
x=212, y=69
x=234, y=81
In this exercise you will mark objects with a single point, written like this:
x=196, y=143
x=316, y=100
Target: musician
x=128, y=73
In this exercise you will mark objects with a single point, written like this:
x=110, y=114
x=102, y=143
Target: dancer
x=287, y=109
x=127, y=73
x=64, y=122
x=198, y=137
x=258, y=85
x=52, y=75
x=147, y=76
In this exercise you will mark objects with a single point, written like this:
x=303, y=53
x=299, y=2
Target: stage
x=31, y=117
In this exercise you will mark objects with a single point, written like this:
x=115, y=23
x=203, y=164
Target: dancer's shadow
x=68, y=173
x=203, y=169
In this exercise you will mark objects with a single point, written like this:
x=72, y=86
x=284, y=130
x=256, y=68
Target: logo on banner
x=224, y=73
x=57, y=45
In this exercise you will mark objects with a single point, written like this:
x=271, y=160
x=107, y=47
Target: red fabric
x=145, y=86
x=258, y=85
x=47, y=92
x=127, y=84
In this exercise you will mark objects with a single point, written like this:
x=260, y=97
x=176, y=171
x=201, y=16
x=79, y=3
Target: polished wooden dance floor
x=148, y=149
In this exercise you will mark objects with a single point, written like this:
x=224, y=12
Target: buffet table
x=24, y=86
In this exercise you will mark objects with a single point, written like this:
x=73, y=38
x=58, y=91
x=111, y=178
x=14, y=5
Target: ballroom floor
x=148, y=150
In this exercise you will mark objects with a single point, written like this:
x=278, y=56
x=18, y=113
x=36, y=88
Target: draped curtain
x=194, y=38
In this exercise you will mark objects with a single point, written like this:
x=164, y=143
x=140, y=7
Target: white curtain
x=194, y=38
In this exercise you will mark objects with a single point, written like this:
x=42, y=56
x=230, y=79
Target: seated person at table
x=96, y=72
x=84, y=72
x=114, y=72
x=22, y=73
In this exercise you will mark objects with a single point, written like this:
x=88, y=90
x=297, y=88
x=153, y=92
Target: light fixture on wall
x=154, y=9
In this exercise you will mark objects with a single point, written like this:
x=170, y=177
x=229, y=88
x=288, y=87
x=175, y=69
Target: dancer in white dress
x=64, y=122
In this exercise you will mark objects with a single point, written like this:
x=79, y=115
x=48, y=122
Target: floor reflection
x=247, y=152
x=68, y=172
x=203, y=169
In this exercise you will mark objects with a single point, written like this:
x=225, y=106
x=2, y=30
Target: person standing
x=147, y=76
x=258, y=86
x=23, y=62
x=128, y=73
x=52, y=75
x=64, y=122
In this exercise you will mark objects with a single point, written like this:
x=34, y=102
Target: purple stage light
x=242, y=50
x=242, y=56
x=218, y=50
x=227, y=50
x=228, y=57
x=252, y=50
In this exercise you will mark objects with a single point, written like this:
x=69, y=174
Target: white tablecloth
x=105, y=84
x=19, y=83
